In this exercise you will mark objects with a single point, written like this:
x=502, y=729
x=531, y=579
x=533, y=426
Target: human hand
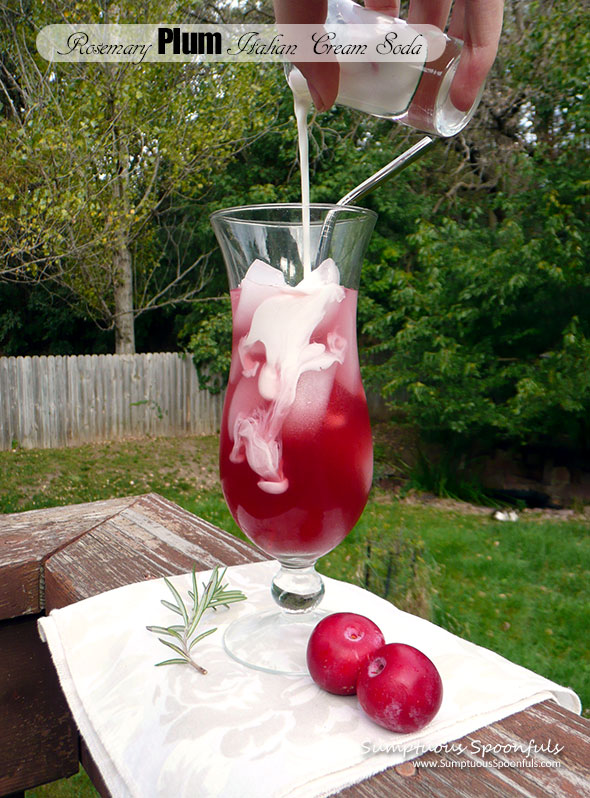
x=478, y=23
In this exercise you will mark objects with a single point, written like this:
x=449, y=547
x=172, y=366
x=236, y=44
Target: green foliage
x=464, y=343
x=36, y=321
x=447, y=478
x=210, y=344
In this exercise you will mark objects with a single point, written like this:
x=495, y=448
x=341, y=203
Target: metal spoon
x=398, y=163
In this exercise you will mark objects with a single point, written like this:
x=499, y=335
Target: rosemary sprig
x=215, y=594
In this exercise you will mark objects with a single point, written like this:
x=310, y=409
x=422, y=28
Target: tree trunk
x=124, y=328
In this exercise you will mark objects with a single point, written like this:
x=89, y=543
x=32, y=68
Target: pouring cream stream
x=302, y=104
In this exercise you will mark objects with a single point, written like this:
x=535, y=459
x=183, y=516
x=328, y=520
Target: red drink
x=296, y=451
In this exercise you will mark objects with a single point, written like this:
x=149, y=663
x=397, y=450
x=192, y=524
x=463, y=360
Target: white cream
x=283, y=320
x=283, y=324
x=302, y=104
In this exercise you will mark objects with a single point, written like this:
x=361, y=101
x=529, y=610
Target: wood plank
x=82, y=364
x=135, y=394
x=108, y=390
x=159, y=388
x=193, y=398
x=121, y=389
x=41, y=390
x=167, y=391
x=11, y=398
x=61, y=408
x=72, y=423
x=146, y=411
x=93, y=408
x=114, y=413
x=179, y=419
x=569, y=730
x=465, y=775
x=38, y=738
x=166, y=388
x=154, y=377
x=49, y=392
x=92, y=770
x=99, y=399
x=27, y=539
x=228, y=548
x=6, y=419
x=27, y=429
x=15, y=399
x=147, y=540
x=186, y=384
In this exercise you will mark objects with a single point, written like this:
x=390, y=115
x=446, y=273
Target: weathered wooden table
x=51, y=558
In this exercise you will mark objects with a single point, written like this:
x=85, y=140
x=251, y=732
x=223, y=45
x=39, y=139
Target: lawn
x=520, y=588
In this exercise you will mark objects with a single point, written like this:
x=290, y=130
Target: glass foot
x=272, y=641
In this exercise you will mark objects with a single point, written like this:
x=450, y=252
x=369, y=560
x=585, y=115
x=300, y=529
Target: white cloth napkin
x=242, y=733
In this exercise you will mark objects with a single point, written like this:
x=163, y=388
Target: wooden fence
x=55, y=401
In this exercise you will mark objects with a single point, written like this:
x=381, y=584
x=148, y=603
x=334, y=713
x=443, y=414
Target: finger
x=322, y=78
x=301, y=12
x=479, y=24
x=429, y=12
x=389, y=7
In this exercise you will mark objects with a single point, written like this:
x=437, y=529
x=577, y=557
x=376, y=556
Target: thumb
x=322, y=79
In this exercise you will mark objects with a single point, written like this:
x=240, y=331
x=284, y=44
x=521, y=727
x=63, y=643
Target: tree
x=93, y=155
x=479, y=325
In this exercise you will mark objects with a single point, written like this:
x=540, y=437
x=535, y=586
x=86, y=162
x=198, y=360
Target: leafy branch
x=215, y=594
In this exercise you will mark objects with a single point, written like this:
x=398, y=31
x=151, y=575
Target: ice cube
x=260, y=282
x=311, y=401
x=244, y=401
x=263, y=273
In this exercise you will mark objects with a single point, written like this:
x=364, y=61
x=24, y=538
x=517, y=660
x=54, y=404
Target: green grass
x=521, y=589
x=78, y=786
x=180, y=468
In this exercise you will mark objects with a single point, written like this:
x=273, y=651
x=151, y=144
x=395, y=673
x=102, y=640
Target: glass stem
x=297, y=588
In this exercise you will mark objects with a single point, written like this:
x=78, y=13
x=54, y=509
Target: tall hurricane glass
x=295, y=453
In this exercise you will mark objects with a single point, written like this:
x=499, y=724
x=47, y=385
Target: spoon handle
x=399, y=163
